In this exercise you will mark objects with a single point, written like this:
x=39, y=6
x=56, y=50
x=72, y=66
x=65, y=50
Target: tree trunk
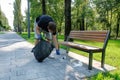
x=67, y=18
x=118, y=25
x=82, y=21
x=117, y=30
x=82, y=27
x=43, y=7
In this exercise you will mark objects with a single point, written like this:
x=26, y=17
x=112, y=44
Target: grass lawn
x=112, y=56
x=1, y=32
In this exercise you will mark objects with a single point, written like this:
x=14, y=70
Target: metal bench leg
x=90, y=61
x=67, y=50
x=103, y=59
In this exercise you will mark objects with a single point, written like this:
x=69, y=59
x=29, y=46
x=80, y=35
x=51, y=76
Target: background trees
x=108, y=15
x=17, y=16
x=3, y=22
x=84, y=15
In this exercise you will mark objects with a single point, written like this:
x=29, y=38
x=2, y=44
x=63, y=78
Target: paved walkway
x=18, y=63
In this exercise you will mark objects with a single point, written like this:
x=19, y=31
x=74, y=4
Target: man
x=46, y=25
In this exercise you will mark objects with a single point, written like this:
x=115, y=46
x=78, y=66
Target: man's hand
x=57, y=52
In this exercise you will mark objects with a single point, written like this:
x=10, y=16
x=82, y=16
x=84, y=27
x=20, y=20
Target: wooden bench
x=97, y=36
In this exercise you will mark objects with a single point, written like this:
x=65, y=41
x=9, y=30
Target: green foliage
x=100, y=76
x=106, y=76
x=17, y=16
x=56, y=11
x=1, y=32
x=35, y=11
x=25, y=36
x=53, y=8
x=3, y=21
x=108, y=15
x=90, y=14
x=84, y=9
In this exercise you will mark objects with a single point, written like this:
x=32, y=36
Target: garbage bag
x=42, y=50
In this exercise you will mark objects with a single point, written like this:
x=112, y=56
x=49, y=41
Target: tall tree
x=82, y=15
x=117, y=10
x=17, y=16
x=85, y=14
x=108, y=11
x=43, y=7
x=35, y=10
x=67, y=18
x=3, y=21
x=55, y=10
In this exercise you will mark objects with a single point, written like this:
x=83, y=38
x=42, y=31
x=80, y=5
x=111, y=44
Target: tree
x=43, y=7
x=109, y=12
x=35, y=10
x=82, y=15
x=56, y=11
x=17, y=16
x=67, y=18
x=3, y=21
x=85, y=14
x=117, y=10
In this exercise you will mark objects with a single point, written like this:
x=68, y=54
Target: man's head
x=52, y=27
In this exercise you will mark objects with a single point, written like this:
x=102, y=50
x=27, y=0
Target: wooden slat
x=82, y=47
x=89, y=35
x=89, y=32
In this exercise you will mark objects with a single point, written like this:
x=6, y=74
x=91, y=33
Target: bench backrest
x=89, y=35
x=99, y=36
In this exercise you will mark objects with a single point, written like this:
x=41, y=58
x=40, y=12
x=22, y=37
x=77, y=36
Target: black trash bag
x=42, y=50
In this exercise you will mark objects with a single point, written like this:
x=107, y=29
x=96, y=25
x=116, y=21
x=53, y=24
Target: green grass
x=1, y=32
x=25, y=36
x=112, y=56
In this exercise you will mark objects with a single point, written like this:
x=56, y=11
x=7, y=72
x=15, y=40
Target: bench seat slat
x=82, y=47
